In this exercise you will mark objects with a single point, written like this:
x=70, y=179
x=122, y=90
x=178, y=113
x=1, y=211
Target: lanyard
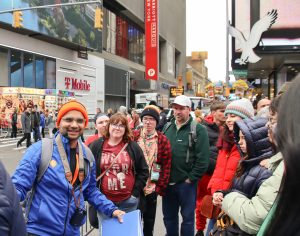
x=79, y=170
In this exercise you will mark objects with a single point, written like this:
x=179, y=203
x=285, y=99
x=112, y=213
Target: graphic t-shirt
x=118, y=182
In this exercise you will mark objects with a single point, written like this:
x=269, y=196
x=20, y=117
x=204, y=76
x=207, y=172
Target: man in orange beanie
x=67, y=182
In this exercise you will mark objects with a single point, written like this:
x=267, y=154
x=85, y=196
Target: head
x=182, y=107
x=150, y=118
x=118, y=128
x=262, y=103
x=272, y=120
x=217, y=110
x=123, y=109
x=72, y=118
x=238, y=110
x=288, y=142
x=98, y=110
x=242, y=143
x=110, y=111
x=101, y=122
x=198, y=113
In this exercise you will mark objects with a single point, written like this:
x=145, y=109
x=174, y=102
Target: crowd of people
x=243, y=159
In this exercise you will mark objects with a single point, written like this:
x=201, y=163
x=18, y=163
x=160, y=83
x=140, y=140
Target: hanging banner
x=151, y=39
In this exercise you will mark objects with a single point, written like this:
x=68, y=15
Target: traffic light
x=98, y=18
x=17, y=19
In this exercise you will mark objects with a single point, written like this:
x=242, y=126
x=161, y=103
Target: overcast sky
x=206, y=31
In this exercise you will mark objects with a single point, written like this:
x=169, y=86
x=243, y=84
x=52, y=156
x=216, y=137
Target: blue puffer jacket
x=258, y=148
x=11, y=217
x=53, y=203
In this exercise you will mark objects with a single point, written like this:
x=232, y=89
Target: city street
x=11, y=155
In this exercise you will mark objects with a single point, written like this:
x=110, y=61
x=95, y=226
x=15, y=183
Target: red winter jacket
x=227, y=163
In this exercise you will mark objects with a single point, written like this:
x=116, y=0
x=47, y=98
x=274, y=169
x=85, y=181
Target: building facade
x=59, y=49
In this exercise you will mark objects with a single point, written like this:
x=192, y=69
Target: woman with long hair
x=252, y=138
x=282, y=219
x=126, y=170
x=229, y=155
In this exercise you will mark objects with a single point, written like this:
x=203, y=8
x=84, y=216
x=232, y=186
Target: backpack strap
x=192, y=138
x=47, y=151
x=89, y=155
x=166, y=127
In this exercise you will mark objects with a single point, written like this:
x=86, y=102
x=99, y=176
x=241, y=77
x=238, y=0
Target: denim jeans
x=210, y=226
x=128, y=205
x=180, y=196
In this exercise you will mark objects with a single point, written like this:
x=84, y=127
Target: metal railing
x=86, y=229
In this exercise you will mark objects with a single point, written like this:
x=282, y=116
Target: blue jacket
x=258, y=149
x=42, y=120
x=11, y=216
x=53, y=203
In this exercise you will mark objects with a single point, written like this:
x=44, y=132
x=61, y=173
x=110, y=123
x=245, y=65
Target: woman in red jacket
x=229, y=156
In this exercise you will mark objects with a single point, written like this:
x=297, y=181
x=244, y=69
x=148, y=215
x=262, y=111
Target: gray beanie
x=242, y=107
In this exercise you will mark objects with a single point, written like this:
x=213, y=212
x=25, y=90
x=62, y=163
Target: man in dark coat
x=35, y=123
x=26, y=127
x=11, y=216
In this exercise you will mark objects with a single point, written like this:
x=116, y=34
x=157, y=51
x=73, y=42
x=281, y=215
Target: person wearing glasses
x=126, y=170
x=157, y=150
x=58, y=203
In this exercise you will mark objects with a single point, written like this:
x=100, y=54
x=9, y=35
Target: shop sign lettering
x=77, y=84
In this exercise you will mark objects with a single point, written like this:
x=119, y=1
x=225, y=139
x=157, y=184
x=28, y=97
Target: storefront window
x=50, y=73
x=39, y=72
x=28, y=71
x=3, y=67
x=15, y=69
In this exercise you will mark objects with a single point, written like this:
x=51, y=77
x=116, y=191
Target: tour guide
x=58, y=204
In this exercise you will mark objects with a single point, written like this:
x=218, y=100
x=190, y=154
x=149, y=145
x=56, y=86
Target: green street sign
x=239, y=72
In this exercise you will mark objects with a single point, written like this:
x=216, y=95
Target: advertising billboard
x=74, y=24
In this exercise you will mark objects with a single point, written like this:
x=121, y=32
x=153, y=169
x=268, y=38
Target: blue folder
x=131, y=226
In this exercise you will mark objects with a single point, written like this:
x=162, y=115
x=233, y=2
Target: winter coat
x=42, y=120
x=195, y=167
x=249, y=213
x=246, y=209
x=226, y=165
x=213, y=134
x=14, y=118
x=35, y=119
x=163, y=158
x=136, y=154
x=11, y=215
x=53, y=204
x=26, y=122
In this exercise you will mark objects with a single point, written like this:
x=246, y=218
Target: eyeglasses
x=148, y=119
x=71, y=120
x=116, y=126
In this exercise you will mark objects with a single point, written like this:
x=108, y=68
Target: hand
x=218, y=198
x=118, y=214
x=188, y=181
x=265, y=163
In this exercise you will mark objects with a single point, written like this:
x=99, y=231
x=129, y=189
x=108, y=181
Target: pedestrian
x=198, y=115
x=162, y=119
x=50, y=123
x=59, y=197
x=14, y=122
x=123, y=110
x=98, y=111
x=42, y=123
x=35, y=123
x=212, y=123
x=11, y=215
x=100, y=124
x=157, y=151
x=26, y=127
x=136, y=118
x=282, y=218
x=229, y=155
x=251, y=136
x=123, y=163
x=249, y=213
x=265, y=102
x=190, y=157
x=110, y=112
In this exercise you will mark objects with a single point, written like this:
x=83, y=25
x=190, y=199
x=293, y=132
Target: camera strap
x=79, y=169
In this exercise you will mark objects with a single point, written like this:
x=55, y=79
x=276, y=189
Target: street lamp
x=128, y=73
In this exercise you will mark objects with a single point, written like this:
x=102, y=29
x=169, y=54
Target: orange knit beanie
x=71, y=106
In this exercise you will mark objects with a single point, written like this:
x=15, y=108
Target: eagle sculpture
x=258, y=28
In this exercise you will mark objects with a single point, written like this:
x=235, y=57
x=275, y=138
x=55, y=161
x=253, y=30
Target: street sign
x=239, y=72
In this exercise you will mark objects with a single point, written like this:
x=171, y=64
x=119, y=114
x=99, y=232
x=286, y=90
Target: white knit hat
x=242, y=108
